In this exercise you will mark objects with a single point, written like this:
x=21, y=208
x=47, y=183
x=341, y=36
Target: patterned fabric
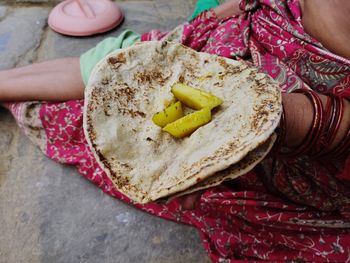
x=271, y=36
x=287, y=209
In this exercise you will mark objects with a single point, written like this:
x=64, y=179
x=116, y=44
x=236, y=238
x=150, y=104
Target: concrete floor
x=48, y=213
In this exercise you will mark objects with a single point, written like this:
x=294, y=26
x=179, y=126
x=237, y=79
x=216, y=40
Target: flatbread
x=128, y=87
x=242, y=167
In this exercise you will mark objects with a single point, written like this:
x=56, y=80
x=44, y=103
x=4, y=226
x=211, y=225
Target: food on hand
x=170, y=114
x=143, y=162
x=188, y=124
x=195, y=98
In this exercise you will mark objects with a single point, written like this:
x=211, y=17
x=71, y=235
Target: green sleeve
x=89, y=59
x=203, y=5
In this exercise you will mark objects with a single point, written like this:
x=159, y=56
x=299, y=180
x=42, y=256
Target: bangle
x=343, y=147
x=334, y=116
x=329, y=117
x=322, y=133
x=339, y=113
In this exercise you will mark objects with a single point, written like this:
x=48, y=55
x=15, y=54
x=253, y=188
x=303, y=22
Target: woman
x=295, y=206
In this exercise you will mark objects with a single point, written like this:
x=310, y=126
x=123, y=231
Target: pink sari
x=286, y=209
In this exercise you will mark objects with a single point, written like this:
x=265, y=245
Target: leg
x=56, y=80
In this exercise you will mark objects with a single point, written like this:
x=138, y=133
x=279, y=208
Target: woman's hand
x=298, y=117
x=188, y=202
x=299, y=114
x=227, y=9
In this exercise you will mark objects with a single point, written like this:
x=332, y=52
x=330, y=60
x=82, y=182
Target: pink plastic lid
x=85, y=17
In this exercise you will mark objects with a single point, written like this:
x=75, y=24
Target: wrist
x=298, y=118
x=316, y=124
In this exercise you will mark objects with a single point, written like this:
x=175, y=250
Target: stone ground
x=48, y=213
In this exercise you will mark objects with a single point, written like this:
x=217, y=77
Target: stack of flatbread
x=129, y=86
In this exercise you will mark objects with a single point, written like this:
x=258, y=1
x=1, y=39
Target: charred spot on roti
x=125, y=92
x=181, y=79
x=106, y=112
x=139, y=113
x=164, y=44
x=126, y=166
x=251, y=76
x=132, y=113
x=190, y=69
x=103, y=160
x=185, y=47
x=124, y=96
x=158, y=76
x=142, y=77
x=90, y=130
x=112, y=60
x=231, y=69
x=120, y=181
x=194, y=56
x=259, y=118
x=123, y=182
x=262, y=112
x=150, y=76
x=131, y=53
x=120, y=58
x=105, y=80
x=226, y=150
x=218, y=84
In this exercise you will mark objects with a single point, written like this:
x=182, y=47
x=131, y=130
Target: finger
x=189, y=201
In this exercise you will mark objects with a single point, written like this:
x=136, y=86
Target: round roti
x=129, y=86
x=242, y=167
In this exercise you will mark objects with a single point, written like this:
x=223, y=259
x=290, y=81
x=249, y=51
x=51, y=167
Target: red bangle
x=334, y=118
x=339, y=112
x=323, y=143
x=343, y=147
x=322, y=133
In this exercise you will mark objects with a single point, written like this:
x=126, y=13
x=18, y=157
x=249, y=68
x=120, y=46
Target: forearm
x=55, y=80
x=299, y=116
x=227, y=9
